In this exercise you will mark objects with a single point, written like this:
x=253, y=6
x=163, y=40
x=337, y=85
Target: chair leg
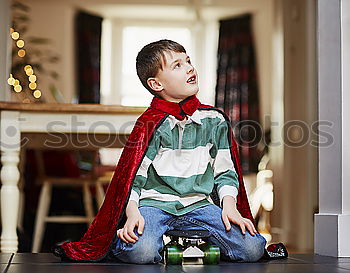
x=100, y=194
x=21, y=192
x=42, y=213
x=89, y=210
x=21, y=211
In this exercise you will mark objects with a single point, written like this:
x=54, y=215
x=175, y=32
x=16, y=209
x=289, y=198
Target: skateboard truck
x=189, y=247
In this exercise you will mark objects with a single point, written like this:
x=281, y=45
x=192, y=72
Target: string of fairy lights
x=28, y=69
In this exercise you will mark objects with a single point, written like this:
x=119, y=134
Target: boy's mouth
x=192, y=79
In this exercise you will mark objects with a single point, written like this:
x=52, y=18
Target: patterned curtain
x=237, y=89
x=88, y=52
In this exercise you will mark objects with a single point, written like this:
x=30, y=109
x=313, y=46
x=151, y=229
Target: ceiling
x=188, y=10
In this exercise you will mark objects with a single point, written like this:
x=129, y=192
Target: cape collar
x=179, y=110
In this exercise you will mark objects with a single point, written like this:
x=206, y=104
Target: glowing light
x=11, y=81
x=32, y=78
x=15, y=35
x=32, y=85
x=21, y=52
x=37, y=94
x=20, y=43
x=18, y=88
x=29, y=71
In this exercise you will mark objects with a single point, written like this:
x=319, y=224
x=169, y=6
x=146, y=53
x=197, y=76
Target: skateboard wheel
x=211, y=254
x=173, y=254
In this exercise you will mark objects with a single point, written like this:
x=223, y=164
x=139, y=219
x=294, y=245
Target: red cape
x=96, y=242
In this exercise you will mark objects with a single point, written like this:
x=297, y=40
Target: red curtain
x=88, y=52
x=237, y=88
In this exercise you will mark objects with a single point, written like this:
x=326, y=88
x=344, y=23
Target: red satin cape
x=96, y=242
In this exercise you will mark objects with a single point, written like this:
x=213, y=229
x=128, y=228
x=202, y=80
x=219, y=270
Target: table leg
x=10, y=148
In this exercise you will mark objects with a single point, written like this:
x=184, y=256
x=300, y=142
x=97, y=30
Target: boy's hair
x=151, y=57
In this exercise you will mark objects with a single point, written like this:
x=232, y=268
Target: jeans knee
x=144, y=255
x=140, y=253
x=253, y=249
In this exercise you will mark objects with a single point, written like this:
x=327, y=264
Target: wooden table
x=52, y=126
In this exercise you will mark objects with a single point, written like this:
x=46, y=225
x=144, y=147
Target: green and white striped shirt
x=183, y=162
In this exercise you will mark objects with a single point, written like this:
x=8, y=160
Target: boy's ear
x=155, y=84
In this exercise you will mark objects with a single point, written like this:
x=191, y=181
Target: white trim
x=185, y=200
x=331, y=234
x=182, y=162
x=143, y=169
x=212, y=114
x=174, y=121
x=134, y=196
x=332, y=223
x=223, y=162
x=227, y=190
x=196, y=117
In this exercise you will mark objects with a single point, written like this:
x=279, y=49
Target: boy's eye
x=189, y=61
x=177, y=65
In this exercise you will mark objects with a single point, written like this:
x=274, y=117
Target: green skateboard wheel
x=211, y=254
x=173, y=254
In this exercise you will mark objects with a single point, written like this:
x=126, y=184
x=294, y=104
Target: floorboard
x=296, y=263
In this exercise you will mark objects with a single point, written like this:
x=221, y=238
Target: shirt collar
x=179, y=110
x=194, y=118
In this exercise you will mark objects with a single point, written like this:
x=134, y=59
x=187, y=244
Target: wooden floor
x=296, y=263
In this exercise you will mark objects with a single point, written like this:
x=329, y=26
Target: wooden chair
x=109, y=159
x=48, y=182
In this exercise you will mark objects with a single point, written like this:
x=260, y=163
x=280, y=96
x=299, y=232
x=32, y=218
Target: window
x=119, y=81
x=134, y=38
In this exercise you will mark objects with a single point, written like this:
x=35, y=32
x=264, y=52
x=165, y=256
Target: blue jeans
x=234, y=246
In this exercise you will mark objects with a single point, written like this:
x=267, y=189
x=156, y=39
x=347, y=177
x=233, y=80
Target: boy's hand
x=134, y=219
x=231, y=214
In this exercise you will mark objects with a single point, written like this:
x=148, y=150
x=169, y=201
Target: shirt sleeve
x=141, y=175
x=225, y=175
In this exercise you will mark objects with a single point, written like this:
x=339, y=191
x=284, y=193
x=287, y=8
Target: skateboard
x=189, y=247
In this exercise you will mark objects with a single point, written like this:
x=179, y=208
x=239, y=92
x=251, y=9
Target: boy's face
x=178, y=79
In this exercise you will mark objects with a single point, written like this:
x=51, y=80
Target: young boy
x=188, y=157
x=179, y=154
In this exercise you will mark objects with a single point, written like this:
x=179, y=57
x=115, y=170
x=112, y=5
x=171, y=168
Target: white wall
x=295, y=164
x=4, y=49
x=55, y=20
